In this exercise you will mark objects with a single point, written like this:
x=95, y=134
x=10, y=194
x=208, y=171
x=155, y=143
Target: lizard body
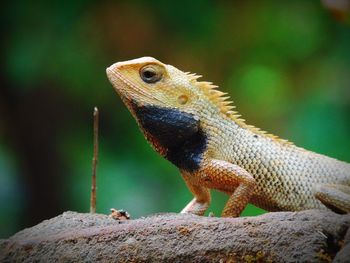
x=193, y=125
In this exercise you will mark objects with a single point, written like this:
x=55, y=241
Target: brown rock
x=308, y=236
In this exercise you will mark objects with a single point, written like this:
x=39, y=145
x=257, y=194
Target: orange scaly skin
x=193, y=125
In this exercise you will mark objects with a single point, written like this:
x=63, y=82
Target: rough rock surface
x=308, y=236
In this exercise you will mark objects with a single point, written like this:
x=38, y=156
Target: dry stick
x=94, y=163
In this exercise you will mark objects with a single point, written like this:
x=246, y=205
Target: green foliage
x=286, y=66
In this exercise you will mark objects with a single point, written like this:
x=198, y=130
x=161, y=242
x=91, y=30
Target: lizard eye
x=150, y=74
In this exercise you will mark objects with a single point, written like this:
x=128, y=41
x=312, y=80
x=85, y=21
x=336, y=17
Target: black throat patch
x=177, y=131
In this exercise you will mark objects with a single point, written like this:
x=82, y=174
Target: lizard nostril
x=111, y=68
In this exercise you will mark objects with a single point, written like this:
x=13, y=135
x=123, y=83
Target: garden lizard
x=193, y=125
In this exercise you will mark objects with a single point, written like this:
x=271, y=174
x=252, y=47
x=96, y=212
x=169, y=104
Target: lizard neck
x=174, y=134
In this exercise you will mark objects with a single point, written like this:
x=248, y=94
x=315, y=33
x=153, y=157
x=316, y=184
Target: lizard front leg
x=229, y=178
x=201, y=200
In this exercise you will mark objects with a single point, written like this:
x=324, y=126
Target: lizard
x=195, y=126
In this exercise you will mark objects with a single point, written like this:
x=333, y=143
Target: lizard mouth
x=125, y=87
x=115, y=78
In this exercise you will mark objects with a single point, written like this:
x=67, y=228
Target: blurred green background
x=286, y=66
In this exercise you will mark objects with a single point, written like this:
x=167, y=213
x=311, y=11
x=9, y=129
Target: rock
x=307, y=236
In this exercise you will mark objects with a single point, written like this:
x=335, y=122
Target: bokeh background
x=286, y=65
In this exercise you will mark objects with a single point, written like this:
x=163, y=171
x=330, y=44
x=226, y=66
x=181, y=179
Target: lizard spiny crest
x=225, y=104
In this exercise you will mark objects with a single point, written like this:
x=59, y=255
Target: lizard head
x=148, y=82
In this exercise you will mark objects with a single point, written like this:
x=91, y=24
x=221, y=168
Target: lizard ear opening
x=182, y=99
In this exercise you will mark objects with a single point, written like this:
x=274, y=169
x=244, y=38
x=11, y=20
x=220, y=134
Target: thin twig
x=94, y=163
